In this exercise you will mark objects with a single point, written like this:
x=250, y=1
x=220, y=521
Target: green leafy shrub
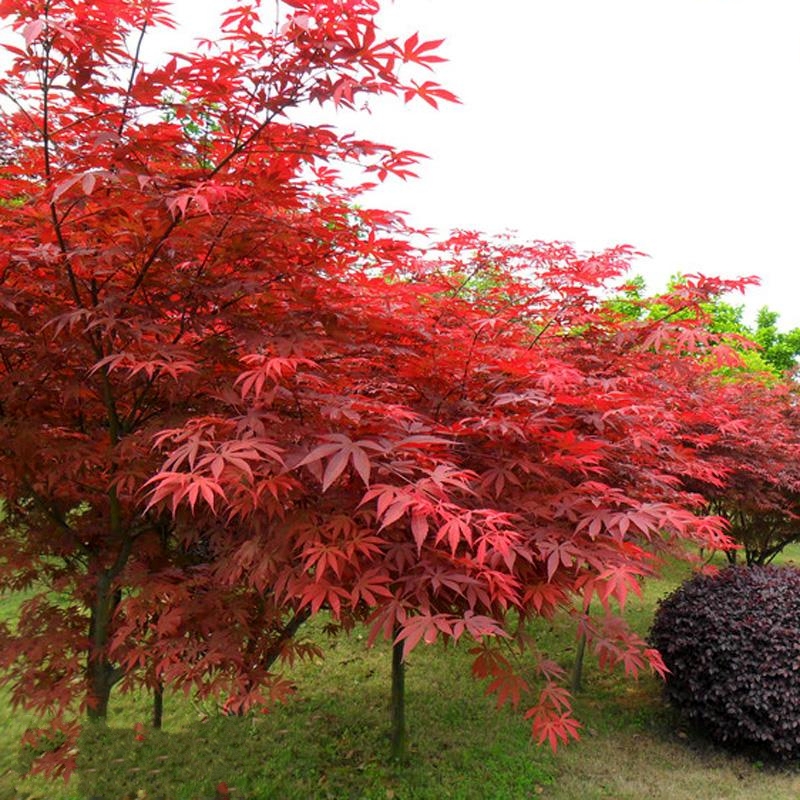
x=732, y=644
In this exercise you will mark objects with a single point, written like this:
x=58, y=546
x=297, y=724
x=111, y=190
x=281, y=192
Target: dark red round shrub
x=732, y=644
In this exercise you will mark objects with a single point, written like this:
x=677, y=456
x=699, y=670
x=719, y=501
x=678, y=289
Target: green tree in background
x=763, y=348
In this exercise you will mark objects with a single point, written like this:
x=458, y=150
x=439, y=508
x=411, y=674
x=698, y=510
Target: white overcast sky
x=671, y=126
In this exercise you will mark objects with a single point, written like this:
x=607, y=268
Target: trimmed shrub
x=732, y=644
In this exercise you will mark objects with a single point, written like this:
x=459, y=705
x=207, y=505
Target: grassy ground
x=332, y=741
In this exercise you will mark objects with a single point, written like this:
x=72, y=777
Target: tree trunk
x=576, y=683
x=99, y=691
x=101, y=674
x=274, y=653
x=398, y=749
x=158, y=705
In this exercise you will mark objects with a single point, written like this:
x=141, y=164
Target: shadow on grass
x=331, y=747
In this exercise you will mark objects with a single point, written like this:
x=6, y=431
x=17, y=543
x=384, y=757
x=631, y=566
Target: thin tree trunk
x=398, y=748
x=286, y=634
x=100, y=673
x=99, y=692
x=158, y=705
x=576, y=683
x=274, y=653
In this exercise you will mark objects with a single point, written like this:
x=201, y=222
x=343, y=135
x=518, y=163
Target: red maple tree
x=516, y=445
x=230, y=397
x=754, y=444
x=156, y=222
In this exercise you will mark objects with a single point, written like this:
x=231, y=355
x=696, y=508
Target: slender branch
x=235, y=151
x=552, y=321
x=187, y=314
x=48, y=169
x=657, y=321
x=769, y=554
x=62, y=244
x=139, y=401
x=468, y=362
x=45, y=78
x=455, y=292
x=288, y=632
x=150, y=260
x=55, y=515
x=79, y=121
x=115, y=675
x=22, y=108
x=134, y=69
x=122, y=557
x=243, y=144
x=115, y=426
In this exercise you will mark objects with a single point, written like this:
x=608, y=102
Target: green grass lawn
x=332, y=741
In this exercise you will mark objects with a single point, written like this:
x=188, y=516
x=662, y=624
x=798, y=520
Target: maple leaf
x=509, y=688
x=338, y=451
x=423, y=627
x=418, y=52
x=553, y=728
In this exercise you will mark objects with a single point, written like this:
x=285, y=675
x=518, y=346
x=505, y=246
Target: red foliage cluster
x=230, y=397
x=755, y=444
